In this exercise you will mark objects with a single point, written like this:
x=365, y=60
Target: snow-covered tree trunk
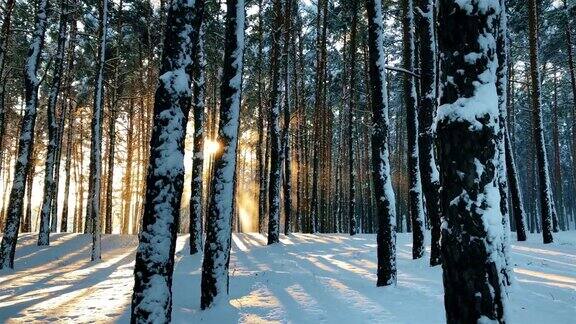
x=351, y=108
x=287, y=182
x=152, y=296
x=546, y=202
x=25, y=143
x=426, y=112
x=385, y=200
x=52, y=147
x=502, y=92
x=261, y=117
x=274, y=126
x=515, y=193
x=572, y=73
x=557, y=162
x=69, y=114
x=199, y=94
x=214, y=282
x=416, y=208
x=4, y=40
x=321, y=27
x=468, y=153
x=114, y=96
x=94, y=182
x=67, y=170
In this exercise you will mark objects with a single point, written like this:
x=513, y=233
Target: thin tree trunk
x=52, y=147
x=287, y=185
x=426, y=112
x=274, y=126
x=416, y=209
x=25, y=144
x=541, y=157
x=112, y=115
x=4, y=41
x=94, y=183
x=199, y=94
x=572, y=73
x=516, y=194
x=127, y=181
x=353, y=226
x=385, y=201
x=261, y=138
x=68, y=112
x=557, y=164
x=27, y=217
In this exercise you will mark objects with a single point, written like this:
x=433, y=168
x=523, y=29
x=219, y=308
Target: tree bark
x=416, y=209
x=52, y=147
x=545, y=189
x=572, y=73
x=95, y=173
x=385, y=201
x=262, y=159
x=467, y=131
x=351, y=108
x=427, y=110
x=199, y=94
x=25, y=144
x=557, y=163
x=287, y=184
x=214, y=283
x=4, y=41
x=164, y=183
x=274, y=126
x=68, y=113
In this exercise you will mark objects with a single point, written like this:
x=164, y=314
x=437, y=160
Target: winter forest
x=287, y=161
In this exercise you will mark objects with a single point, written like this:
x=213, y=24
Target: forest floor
x=305, y=279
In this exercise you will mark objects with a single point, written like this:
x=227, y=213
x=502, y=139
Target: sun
x=211, y=146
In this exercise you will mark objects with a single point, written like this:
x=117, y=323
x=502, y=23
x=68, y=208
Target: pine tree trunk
x=80, y=178
x=52, y=147
x=95, y=173
x=261, y=117
x=287, y=185
x=467, y=131
x=516, y=194
x=502, y=92
x=274, y=126
x=214, y=282
x=572, y=72
x=4, y=41
x=385, y=201
x=416, y=209
x=557, y=164
x=127, y=181
x=116, y=91
x=351, y=108
x=25, y=144
x=27, y=217
x=545, y=189
x=427, y=110
x=318, y=120
x=69, y=114
x=155, y=256
x=199, y=96
x=110, y=175
x=67, y=170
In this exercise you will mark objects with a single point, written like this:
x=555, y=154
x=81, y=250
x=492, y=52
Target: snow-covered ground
x=305, y=279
